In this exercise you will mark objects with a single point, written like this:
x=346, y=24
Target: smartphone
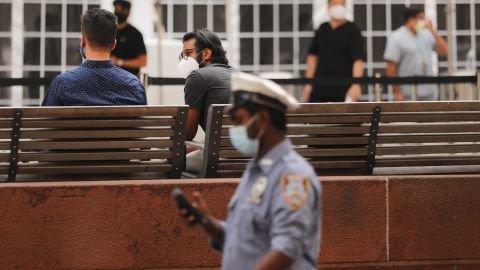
x=183, y=203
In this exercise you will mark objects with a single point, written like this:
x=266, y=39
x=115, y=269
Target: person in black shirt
x=130, y=53
x=337, y=50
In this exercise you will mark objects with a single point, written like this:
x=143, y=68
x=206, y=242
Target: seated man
x=97, y=81
x=205, y=66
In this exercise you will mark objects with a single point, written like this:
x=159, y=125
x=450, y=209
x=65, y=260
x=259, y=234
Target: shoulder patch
x=295, y=190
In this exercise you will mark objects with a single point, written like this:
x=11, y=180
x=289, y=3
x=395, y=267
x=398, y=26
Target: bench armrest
x=195, y=144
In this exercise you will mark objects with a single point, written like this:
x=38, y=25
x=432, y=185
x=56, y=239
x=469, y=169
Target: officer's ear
x=263, y=118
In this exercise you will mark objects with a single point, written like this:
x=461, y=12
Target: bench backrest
x=363, y=138
x=51, y=142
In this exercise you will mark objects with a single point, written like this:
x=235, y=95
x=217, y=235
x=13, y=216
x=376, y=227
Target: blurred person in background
x=130, y=53
x=409, y=53
x=337, y=50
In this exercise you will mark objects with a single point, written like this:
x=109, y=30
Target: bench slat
x=429, y=149
x=45, y=145
x=308, y=152
x=445, y=128
x=331, y=141
x=452, y=161
x=92, y=111
x=321, y=119
x=321, y=130
x=91, y=123
x=382, y=139
x=92, y=156
x=428, y=117
x=92, y=168
x=87, y=134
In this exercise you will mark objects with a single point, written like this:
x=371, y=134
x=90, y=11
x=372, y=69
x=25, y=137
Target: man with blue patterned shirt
x=273, y=220
x=97, y=82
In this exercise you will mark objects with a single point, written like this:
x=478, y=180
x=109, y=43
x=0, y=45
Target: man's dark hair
x=124, y=4
x=206, y=39
x=99, y=27
x=411, y=12
x=278, y=119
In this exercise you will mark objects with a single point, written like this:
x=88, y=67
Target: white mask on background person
x=187, y=66
x=338, y=12
x=420, y=24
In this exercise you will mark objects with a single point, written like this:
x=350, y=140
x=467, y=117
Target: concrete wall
x=428, y=222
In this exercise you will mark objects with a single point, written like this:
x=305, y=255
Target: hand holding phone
x=184, y=204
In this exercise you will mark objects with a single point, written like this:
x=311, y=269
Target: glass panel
x=54, y=17
x=31, y=17
x=397, y=16
x=4, y=91
x=74, y=13
x=53, y=51
x=5, y=17
x=219, y=18
x=304, y=46
x=286, y=18
x=464, y=44
x=478, y=49
x=266, y=18
x=165, y=16
x=477, y=16
x=93, y=6
x=286, y=50
x=246, y=18
x=180, y=18
x=246, y=51
x=266, y=51
x=31, y=91
x=199, y=16
x=360, y=16
x=31, y=51
x=378, y=48
x=441, y=17
x=5, y=51
x=444, y=57
x=463, y=16
x=73, y=54
x=305, y=17
x=378, y=19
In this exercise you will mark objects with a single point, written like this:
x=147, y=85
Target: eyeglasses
x=186, y=53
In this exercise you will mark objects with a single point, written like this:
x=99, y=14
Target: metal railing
x=378, y=82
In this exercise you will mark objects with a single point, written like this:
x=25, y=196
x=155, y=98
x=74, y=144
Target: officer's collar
x=277, y=152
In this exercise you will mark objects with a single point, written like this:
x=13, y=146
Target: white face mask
x=186, y=66
x=338, y=12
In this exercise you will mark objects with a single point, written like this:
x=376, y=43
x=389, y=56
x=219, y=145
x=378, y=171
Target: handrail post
x=144, y=80
x=378, y=89
x=478, y=85
x=414, y=92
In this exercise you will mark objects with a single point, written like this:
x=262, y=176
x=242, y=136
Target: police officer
x=273, y=218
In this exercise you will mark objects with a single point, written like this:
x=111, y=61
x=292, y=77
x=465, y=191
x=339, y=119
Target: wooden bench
x=49, y=143
x=364, y=138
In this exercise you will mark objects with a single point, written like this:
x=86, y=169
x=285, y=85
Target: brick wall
x=427, y=222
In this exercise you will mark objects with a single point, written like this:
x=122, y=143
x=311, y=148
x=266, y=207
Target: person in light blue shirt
x=273, y=218
x=97, y=82
x=409, y=53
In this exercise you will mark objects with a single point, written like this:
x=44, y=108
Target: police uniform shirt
x=130, y=45
x=275, y=207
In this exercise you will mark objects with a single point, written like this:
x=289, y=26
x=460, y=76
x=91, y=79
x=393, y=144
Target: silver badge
x=258, y=189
